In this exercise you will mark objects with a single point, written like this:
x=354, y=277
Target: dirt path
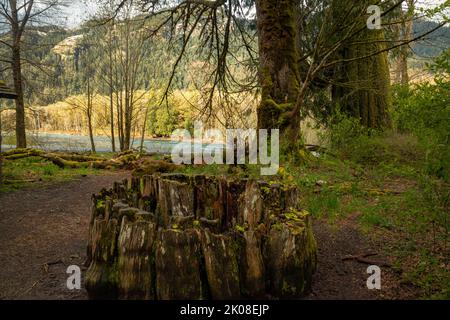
x=341, y=279
x=43, y=231
x=45, y=226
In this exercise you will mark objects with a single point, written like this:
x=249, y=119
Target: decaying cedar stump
x=134, y=255
x=171, y=236
x=178, y=265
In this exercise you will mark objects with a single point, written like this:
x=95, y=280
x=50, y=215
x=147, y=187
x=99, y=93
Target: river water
x=79, y=143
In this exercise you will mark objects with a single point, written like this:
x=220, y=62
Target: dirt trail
x=43, y=231
x=338, y=278
x=42, y=226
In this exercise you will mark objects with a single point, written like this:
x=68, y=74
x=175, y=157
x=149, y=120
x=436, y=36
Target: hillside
x=433, y=44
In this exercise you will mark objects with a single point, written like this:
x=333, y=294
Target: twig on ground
x=364, y=259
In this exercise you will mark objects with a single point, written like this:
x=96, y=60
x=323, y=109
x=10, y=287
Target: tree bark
x=21, y=140
x=361, y=87
x=278, y=73
x=111, y=93
x=89, y=114
x=17, y=28
x=1, y=155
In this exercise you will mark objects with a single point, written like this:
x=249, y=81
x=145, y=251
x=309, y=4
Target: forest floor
x=44, y=229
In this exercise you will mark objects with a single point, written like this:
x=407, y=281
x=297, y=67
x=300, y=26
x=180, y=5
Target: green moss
x=265, y=190
x=288, y=290
x=100, y=204
x=239, y=228
x=34, y=172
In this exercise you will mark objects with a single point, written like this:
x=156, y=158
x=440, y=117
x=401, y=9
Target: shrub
x=350, y=140
x=421, y=120
x=424, y=110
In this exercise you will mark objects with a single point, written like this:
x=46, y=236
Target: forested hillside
x=433, y=45
x=66, y=56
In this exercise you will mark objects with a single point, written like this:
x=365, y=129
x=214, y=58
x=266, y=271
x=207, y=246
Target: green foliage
x=375, y=219
x=421, y=119
x=350, y=140
x=162, y=121
x=424, y=110
x=324, y=205
x=33, y=171
x=407, y=209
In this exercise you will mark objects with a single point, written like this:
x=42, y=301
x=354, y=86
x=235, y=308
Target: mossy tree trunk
x=279, y=72
x=362, y=80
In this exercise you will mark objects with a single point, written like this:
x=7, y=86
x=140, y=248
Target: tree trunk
x=1, y=155
x=143, y=128
x=120, y=120
x=405, y=34
x=127, y=79
x=21, y=140
x=361, y=87
x=91, y=131
x=278, y=73
x=89, y=116
x=111, y=111
x=111, y=93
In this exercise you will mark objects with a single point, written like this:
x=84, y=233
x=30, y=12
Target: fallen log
x=21, y=151
x=64, y=160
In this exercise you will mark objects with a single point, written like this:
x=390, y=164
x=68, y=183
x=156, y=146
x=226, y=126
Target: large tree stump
x=252, y=266
x=134, y=261
x=221, y=265
x=169, y=236
x=178, y=265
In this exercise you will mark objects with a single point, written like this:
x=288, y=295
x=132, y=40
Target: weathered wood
x=170, y=236
x=101, y=276
x=134, y=264
x=252, y=266
x=66, y=160
x=290, y=257
x=177, y=265
x=175, y=198
x=221, y=265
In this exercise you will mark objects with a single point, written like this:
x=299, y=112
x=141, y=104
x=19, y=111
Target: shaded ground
x=339, y=278
x=43, y=231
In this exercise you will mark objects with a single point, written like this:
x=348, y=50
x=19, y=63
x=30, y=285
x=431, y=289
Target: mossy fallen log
x=68, y=160
x=58, y=160
x=172, y=236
